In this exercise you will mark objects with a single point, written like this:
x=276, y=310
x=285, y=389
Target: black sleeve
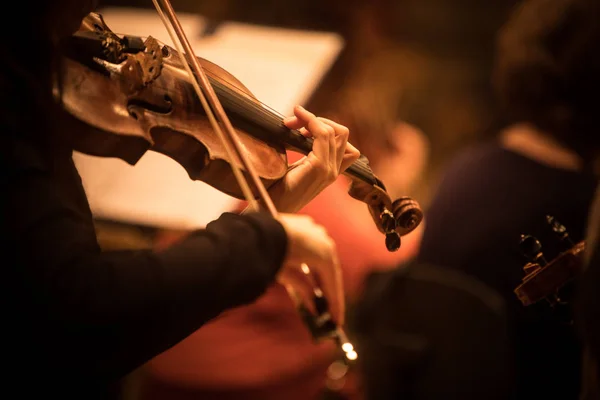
x=106, y=313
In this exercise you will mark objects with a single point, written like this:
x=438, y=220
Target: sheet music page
x=158, y=191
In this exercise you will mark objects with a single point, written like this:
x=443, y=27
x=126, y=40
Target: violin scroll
x=134, y=95
x=548, y=280
x=394, y=219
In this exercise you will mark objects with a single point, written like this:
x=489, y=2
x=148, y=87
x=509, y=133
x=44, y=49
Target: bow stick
x=230, y=142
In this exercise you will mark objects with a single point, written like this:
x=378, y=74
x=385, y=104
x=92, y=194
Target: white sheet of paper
x=281, y=67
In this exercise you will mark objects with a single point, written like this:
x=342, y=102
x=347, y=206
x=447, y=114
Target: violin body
x=146, y=102
x=135, y=95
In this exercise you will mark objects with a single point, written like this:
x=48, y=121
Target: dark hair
x=547, y=69
x=30, y=60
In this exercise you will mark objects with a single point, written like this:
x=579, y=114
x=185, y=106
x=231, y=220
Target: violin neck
x=360, y=169
x=252, y=117
x=245, y=112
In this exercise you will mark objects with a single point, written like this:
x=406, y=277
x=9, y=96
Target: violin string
x=236, y=170
x=251, y=106
x=231, y=85
x=217, y=107
x=340, y=334
x=254, y=106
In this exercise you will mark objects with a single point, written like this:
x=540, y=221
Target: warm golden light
x=305, y=269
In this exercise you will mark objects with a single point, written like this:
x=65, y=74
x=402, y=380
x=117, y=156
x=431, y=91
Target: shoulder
x=470, y=171
x=475, y=160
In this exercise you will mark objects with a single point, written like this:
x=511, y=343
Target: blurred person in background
x=588, y=306
x=547, y=72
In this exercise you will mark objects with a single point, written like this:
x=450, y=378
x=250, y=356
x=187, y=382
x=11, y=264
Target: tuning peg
x=560, y=231
x=531, y=248
x=388, y=222
x=392, y=241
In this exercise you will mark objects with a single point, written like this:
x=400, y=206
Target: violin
x=550, y=280
x=134, y=94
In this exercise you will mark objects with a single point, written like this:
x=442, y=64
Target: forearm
x=106, y=313
x=123, y=308
x=302, y=184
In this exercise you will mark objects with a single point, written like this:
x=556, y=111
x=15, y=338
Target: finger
x=305, y=132
x=298, y=125
x=330, y=140
x=341, y=139
x=298, y=288
x=299, y=297
x=300, y=118
x=292, y=293
x=323, y=148
x=334, y=148
x=293, y=122
x=339, y=128
x=313, y=123
x=350, y=156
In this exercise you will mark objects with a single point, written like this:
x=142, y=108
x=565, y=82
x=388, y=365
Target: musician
x=76, y=319
x=588, y=306
x=547, y=74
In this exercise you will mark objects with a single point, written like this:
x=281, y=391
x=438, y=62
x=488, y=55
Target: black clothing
x=425, y=332
x=588, y=306
x=487, y=199
x=78, y=319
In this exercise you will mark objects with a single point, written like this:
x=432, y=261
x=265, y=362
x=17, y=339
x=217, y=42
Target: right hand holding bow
x=309, y=243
